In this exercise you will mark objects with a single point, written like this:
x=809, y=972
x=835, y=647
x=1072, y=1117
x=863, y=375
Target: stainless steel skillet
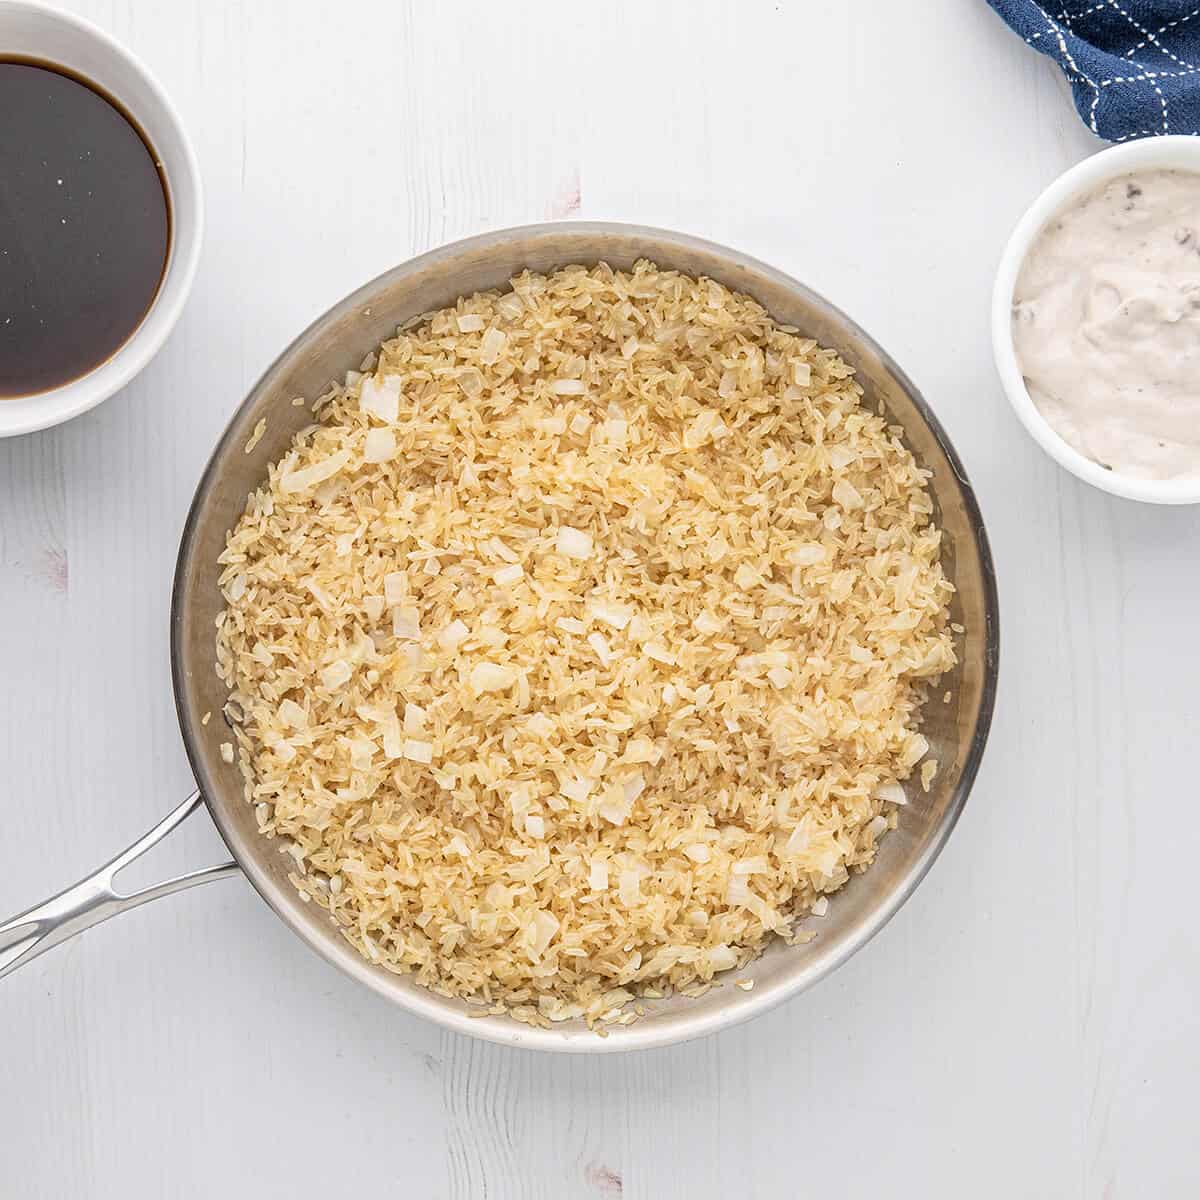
x=337, y=342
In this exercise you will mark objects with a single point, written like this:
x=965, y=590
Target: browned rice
x=581, y=645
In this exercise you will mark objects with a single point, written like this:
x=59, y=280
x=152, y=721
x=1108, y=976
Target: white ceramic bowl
x=1174, y=152
x=35, y=31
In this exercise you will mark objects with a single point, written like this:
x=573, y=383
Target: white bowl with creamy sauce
x=1096, y=320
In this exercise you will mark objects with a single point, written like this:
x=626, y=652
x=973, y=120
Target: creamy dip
x=1106, y=324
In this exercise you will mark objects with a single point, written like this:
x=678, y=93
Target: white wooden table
x=1026, y=1027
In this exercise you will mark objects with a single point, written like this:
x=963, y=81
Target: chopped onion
x=598, y=643
x=891, y=793
x=598, y=875
x=618, y=618
x=406, y=623
x=492, y=345
x=535, y=826
x=698, y=852
x=841, y=456
x=659, y=652
x=807, y=554
x=379, y=446
x=568, y=387
x=614, y=808
x=453, y=634
x=542, y=929
x=416, y=750
x=722, y=957
x=820, y=906
x=393, y=743
x=580, y=423
x=414, y=718
x=306, y=478
x=291, y=714
x=577, y=789
x=395, y=588
x=847, y=495
x=362, y=751
x=573, y=543
x=336, y=674
x=508, y=574
x=746, y=577
x=492, y=677
x=469, y=323
x=381, y=398
x=629, y=887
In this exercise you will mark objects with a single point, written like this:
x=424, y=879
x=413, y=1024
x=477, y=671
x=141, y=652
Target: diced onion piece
x=568, y=387
x=580, y=423
x=707, y=622
x=698, y=852
x=395, y=588
x=701, y=429
x=469, y=323
x=601, y=647
x=801, y=374
x=571, y=625
x=541, y=726
x=598, y=875
x=807, y=554
x=492, y=346
x=227, y=752
x=453, y=634
x=891, y=793
x=841, y=456
x=634, y=786
x=492, y=677
x=780, y=677
x=508, y=574
x=659, y=652
x=542, y=929
x=746, y=577
x=535, y=826
x=629, y=887
x=362, y=751
x=722, y=957
x=381, y=398
x=406, y=623
x=577, y=789
x=614, y=808
x=373, y=606
x=393, y=743
x=618, y=618
x=291, y=714
x=336, y=674
x=847, y=495
x=414, y=718
x=573, y=543
x=418, y=751
x=307, y=478
x=379, y=446
x=820, y=906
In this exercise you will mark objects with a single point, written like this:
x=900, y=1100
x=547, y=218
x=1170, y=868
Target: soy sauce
x=85, y=225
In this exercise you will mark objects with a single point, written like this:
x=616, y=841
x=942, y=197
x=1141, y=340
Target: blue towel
x=1133, y=65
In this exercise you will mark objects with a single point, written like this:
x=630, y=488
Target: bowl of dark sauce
x=100, y=217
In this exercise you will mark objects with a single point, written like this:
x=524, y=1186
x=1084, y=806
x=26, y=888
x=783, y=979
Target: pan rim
x=505, y=1030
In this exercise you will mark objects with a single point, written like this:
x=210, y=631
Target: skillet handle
x=95, y=898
